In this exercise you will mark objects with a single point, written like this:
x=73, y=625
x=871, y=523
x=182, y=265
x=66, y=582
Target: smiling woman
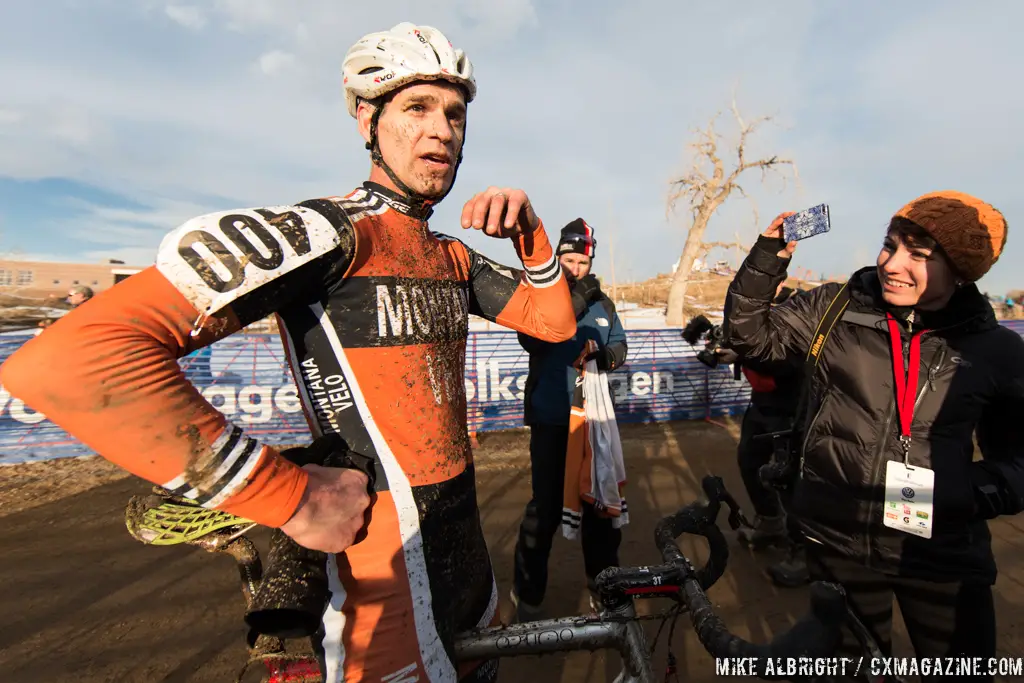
x=913, y=269
x=888, y=493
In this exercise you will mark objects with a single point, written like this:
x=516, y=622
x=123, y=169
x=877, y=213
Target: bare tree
x=706, y=248
x=704, y=188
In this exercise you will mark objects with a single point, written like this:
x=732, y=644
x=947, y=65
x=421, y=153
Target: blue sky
x=120, y=119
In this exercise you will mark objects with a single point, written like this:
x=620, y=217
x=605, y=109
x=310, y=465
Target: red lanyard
x=905, y=379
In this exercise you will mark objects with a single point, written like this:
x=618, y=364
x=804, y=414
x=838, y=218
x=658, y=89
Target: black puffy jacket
x=788, y=377
x=971, y=384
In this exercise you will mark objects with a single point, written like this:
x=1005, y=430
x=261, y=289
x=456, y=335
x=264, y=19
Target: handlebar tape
x=817, y=634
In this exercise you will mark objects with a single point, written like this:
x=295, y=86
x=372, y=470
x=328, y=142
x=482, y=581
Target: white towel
x=595, y=471
x=608, y=470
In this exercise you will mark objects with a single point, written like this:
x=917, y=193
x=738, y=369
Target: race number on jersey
x=217, y=258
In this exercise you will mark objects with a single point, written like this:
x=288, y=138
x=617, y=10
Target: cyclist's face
x=914, y=272
x=576, y=265
x=420, y=134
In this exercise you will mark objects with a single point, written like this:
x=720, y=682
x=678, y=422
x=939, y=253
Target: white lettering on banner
x=21, y=412
x=284, y=399
x=232, y=399
x=256, y=412
x=481, y=378
x=18, y=409
x=331, y=394
x=226, y=393
x=493, y=378
x=640, y=384
x=287, y=399
x=499, y=387
x=489, y=375
x=521, y=386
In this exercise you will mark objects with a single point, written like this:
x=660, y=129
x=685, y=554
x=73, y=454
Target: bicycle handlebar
x=817, y=634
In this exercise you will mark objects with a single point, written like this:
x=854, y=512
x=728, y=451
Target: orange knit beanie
x=970, y=231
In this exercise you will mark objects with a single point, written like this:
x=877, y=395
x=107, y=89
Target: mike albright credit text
x=855, y=666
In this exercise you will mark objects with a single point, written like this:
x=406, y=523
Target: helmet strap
x=415, y=198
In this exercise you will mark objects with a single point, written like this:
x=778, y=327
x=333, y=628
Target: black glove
x=587, y=287
x=584, y=291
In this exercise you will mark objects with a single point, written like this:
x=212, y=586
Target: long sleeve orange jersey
x=373, y=311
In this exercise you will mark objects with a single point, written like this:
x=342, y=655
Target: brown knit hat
x=970, y=231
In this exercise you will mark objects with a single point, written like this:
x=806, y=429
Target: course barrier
x=246, y=377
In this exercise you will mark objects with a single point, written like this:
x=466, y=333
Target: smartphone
x=806, y=223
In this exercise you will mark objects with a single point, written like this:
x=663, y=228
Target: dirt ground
x=85, y=602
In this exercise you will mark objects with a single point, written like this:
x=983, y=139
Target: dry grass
x=705, y=290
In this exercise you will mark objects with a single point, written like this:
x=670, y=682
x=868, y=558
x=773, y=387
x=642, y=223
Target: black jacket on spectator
x=971, y=378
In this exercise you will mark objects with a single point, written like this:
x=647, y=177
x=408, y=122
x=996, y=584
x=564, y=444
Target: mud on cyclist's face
x=576, y=265
x=914, y=272
x=420, y=134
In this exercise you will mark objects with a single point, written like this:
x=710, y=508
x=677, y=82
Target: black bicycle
x=795, y=655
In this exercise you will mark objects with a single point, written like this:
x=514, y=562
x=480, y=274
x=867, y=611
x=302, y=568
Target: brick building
x=42, y=279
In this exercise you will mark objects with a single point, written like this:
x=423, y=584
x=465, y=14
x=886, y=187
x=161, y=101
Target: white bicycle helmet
x=385, y=61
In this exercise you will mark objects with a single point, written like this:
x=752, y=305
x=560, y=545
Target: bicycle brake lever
x=716, y=492
x=737, y=519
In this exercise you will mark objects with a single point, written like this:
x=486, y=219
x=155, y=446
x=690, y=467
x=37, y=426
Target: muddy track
x=84, y=602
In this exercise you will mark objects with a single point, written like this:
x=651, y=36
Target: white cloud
x=589, y=113
x=188, y=16
x=10, y=116
x=275, y=62
x=244, y=15
x=132, y=256
x=131, y=235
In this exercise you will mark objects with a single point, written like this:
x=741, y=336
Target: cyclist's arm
x=529, y=344
x=757, y=330
x=107, y=372
x=534, y=301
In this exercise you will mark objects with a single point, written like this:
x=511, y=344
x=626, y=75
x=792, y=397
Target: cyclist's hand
x=500, y=212
x=334, y=508
x=775, y=230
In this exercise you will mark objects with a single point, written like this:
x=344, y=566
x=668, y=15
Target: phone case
x=806, y=223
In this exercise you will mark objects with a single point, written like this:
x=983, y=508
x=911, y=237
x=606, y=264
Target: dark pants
x=752, y=454
x=953, y=619
x=543, y=519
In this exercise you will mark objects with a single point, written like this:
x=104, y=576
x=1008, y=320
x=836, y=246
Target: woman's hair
x=912, y=234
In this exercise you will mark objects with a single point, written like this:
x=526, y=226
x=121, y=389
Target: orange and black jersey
x=373, y=310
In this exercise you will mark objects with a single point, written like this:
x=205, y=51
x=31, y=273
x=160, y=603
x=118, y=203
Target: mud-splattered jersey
x=373, y=310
